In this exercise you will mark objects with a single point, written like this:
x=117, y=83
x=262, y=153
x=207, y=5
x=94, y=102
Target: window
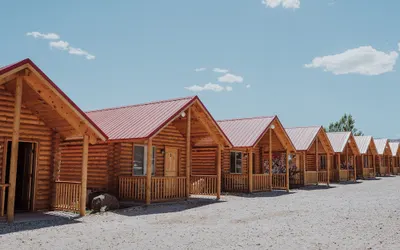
x=140, y=160
x=322, y=162
x=236, y=162
x=366, y=163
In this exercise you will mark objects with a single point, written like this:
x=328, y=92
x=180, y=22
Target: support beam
x=328, y=161
x=250, y=170
x=355, y=167
x=14, y=150
x=148, y=171
x=347, y=160
x=219, y=152
x=362, y=165
x=287, y=170
x=85, y=154
x=373, y=165
x=338, y=164
x=188, y=151
x=270, y=157
x=316, y=158
x=305, y=168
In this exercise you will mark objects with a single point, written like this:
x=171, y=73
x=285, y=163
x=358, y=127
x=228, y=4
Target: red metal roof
x=245, y=132
x=363, y=143
x=338, y=140
x=138, y=121
x=381, y=145
x=303, y=137
x=10, y=67
x=394, y=147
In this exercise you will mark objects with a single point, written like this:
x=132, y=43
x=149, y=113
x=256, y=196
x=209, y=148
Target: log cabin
x=395, y=162
x=382, y=160
x=150, y=155
x=345, y=147
x=259, y=159
x=35, y=117
x=366, y=161
x=313, y=156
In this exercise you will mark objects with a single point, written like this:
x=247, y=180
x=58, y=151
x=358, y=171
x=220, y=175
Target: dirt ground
x=365, y=215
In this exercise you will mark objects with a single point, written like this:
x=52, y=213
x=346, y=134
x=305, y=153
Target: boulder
x=104, y=202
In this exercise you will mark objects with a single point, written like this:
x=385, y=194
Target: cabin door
x=171, y=162
x=171, y=170
x=24, y=188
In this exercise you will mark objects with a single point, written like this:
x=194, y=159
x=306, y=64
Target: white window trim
x=144, y=158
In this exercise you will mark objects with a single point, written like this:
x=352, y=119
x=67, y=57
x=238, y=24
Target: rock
x=104, y=202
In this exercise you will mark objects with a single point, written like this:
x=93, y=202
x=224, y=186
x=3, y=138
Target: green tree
x=346, y=123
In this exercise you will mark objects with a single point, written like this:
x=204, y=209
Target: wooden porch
x=239, y=183
x=166, y=188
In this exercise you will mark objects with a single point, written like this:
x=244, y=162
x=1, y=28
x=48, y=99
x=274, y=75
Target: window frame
x=241, y=162
x=325, y=161
x=153, y=159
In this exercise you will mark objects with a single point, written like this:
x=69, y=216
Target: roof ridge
x=142, y=104
x=305, y=127
x=247, y=118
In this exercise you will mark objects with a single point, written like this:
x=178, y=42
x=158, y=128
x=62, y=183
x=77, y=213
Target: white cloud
x=199, y=69
x=218, y=70
x=228, y=88
x=230, y=78
x=209, y=86
x=287, y=4
x=80, y=52
x=248, y=86
x=62, y=45
x=363, y=60
x=49, y=36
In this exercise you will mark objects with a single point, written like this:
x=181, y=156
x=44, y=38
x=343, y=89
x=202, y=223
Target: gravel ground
x=347, y=216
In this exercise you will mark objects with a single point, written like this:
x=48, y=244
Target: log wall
x=32, y=129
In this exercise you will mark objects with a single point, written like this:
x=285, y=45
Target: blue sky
x=140, y=51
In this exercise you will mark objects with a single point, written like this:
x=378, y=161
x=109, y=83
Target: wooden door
x=171, y=170
x=171, y=162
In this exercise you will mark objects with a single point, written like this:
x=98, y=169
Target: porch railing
x=3, y=188
x=352, y=174
x=132, y=187
x=311, y=177
x=322, y=176
x=279, y=181
x=343, y=175
x=368, y=172
x=395, y=170
x=334, y=175
x=261, y=182
x=168, y=188
x=203, y=184
x=296, y=179
x=68, y=195
x=235, y=182
x=383, y=170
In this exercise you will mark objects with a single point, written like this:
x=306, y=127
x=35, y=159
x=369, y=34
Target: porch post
x=250, y=170
x=316, y=158
x=347, y=160
x=188, y=151
x=287, y=170
x=305, y=168
x=14, y=150
x=355, y=168
x=362, y=164
x=270, y=157
x=338, y=164
x=219, y=151
x=373, y=165
x=148, y=171
x=328, y=161
x=85, y=153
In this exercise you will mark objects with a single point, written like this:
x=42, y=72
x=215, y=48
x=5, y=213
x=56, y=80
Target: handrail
x=69, y=182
